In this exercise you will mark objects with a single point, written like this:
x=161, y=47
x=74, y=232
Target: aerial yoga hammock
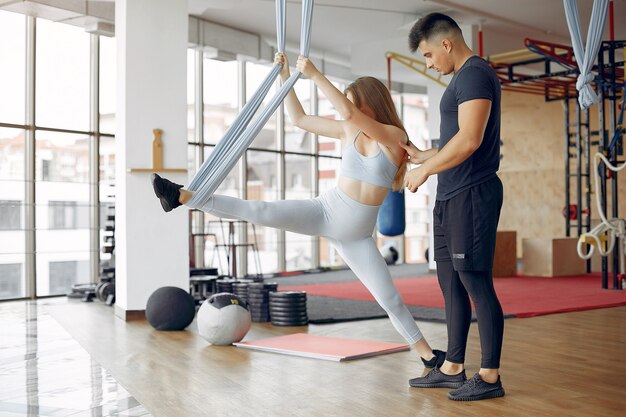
x=239, y=136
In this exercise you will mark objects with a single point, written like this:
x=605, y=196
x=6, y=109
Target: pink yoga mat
x=323, y=347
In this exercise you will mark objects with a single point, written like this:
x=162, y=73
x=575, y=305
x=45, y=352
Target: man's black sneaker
x=476, y=389
x=437, y=361
x=437, y=379
x=167, y=191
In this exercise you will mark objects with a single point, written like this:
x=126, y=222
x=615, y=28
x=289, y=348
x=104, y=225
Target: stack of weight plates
x=225, y=285
x=240, y=288
x=258, y=300
x=288, y=308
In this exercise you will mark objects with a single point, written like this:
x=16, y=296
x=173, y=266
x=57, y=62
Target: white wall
x=151, y=246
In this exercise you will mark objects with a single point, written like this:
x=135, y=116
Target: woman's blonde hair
x=371, y=92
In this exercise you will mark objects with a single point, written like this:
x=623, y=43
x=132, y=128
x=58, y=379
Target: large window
x=61, y=161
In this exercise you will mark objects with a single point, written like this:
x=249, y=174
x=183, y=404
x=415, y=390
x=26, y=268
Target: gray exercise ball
x=223, y=319
x=170, y=308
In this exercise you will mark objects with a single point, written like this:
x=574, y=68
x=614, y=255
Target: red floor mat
x=521, y=296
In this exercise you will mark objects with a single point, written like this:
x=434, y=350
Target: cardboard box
x=551, y=257
x=505, y=259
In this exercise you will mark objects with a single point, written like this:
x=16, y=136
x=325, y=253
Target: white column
x=151, y=245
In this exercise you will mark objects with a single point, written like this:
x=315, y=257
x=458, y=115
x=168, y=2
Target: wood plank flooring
x=559, y=365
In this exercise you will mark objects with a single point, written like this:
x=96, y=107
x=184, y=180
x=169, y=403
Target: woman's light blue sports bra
x=376, y=169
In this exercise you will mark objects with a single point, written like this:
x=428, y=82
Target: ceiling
x=340, y=24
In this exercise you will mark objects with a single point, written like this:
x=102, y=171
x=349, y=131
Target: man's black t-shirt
x=474, y=80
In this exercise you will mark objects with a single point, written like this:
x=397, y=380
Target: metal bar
x=314, y=111
x=561, y=54
x=611, y=22
x=94, y=160
x=567, y=171
x=613, y=158
x=198, y=245
x=30, y=258
x=587, y=152
x=415, y=65
x=579, y=197
x=602, y=149
x=242, y=229
x=281, y=181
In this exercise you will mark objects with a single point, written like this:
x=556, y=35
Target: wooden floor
x=559, y=365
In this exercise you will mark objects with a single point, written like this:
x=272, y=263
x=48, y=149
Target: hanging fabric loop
x=585, y=57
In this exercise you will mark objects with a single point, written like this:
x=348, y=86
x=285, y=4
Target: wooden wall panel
x=533, y=167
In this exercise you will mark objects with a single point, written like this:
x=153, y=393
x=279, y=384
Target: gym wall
x=532, y=169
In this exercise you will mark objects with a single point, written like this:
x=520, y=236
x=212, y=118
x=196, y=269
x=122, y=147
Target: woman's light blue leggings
x=346, y=223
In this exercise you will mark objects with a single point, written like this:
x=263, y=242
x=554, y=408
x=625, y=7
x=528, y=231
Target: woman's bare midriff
x=369, y=194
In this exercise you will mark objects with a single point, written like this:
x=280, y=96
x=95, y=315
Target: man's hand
x=415, y=178
x=413, y=153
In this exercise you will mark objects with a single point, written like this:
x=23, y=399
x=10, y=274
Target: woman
x=373, y=162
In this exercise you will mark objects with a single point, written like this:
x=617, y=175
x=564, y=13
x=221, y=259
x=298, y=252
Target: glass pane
x=12, y=235
x=61, y=157
x=328, y=146
x=255, y=74
x=62, y=76
x=192, y=151
x=417, y=204
x=296, y=139
x=13, y=67
x=328, y=174
x=12, y=282
x=262, y=185
x=220, y=98
x=62, y=212
x=298, y=186
x=12, y=142
x=108, y=59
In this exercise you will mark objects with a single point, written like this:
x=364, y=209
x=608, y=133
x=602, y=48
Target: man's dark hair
x=431, y=25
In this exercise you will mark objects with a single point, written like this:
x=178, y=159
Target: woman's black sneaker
x=437, y=361
x=167, y=191
x=475, y=389
x=437, y=379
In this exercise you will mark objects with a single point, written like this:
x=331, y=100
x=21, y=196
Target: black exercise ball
x=170, y=308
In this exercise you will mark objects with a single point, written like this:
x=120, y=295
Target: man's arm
x=473, y=117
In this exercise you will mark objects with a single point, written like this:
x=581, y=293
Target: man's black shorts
x=465, y=227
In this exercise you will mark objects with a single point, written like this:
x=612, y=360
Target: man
x=467, y=209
